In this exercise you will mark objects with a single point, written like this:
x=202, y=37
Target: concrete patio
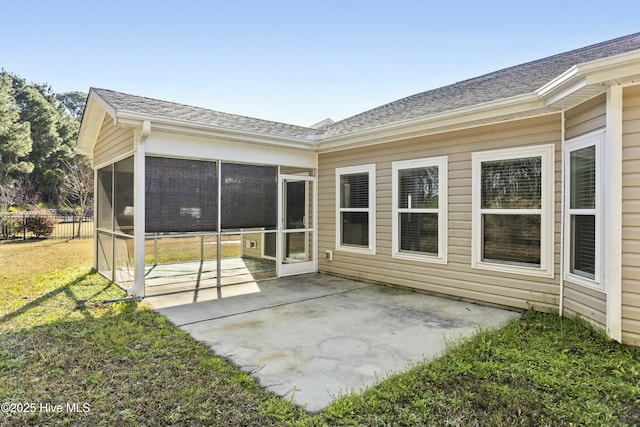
x=313, y=337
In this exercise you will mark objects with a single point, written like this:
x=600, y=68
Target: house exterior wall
x=631, y=216
x=455, y=278
x=587, y=303
x=113, y=143
x=582, y=301
x=586, y=117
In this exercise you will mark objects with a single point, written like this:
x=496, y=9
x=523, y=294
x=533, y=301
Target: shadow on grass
x=66, y=289
x=117, y=364
x=126, y=365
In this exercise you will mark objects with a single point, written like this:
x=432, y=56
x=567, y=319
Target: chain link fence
x=63, y=225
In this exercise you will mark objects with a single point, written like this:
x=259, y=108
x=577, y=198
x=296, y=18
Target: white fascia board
x=613, y=68
x=493, y=111
x=92, y=120
x=214, y=131
x=598, y=72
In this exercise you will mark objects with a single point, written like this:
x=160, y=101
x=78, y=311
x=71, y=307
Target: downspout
x=140, y=138
x=562, y=212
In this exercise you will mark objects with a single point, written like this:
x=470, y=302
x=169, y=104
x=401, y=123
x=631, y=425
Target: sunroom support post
x=613, y=213
x=140, y=137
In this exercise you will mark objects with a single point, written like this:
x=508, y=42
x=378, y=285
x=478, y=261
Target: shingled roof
x=122, y=102
x=507, y=83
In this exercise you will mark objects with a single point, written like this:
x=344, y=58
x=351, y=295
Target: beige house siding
x=582, y=301
x=586, y=117
x=113, y=143
x=589, y=304
x=631, y=216
x=456, y=278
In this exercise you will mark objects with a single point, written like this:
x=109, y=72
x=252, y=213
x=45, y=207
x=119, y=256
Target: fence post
x=24, y=226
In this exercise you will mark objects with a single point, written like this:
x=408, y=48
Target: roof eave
x=186, y=127
x=92, y=119
x=584, y=80
x=461, y=118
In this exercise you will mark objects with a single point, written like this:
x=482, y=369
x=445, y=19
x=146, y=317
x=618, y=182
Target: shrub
x=10, y=225
x=40, y=223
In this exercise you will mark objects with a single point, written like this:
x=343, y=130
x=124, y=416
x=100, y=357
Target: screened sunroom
x=177, y=210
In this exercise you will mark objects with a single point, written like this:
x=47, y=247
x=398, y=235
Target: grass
x=119, y=363
x=188, y=249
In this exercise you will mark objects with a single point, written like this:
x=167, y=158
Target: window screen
x=419, y=232
x=583, y=256
x=511, y=239
x=249, y=196
x=123, y=194
x=354, y=197
x=180, y=196
x=583, y=178
x=512, y=184
x=418, y=188
x=354, y=190
x=105, y=198
x=583, y=223
x=355, y=228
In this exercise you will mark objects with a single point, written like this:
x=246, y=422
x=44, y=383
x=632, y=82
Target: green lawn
x=64, y=342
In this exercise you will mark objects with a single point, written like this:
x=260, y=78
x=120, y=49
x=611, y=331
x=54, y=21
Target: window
x=582, y=213
x=513, y=210
x=420, y=209
x=355, y=213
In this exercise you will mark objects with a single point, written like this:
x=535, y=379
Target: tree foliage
x=15, y=143
x=38, y=130
x=74, y=103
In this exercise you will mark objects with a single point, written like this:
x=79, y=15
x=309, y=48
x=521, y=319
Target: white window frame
x=546, y=211
x=596, y=139
x=370, y=169
x=441, y=210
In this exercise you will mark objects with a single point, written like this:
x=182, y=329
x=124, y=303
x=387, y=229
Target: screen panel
x=181, y=195
x=249, y=196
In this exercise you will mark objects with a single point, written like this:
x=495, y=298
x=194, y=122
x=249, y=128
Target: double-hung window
x=355, y=213
x=513, y=210
x=419, y=209
x=582, y=211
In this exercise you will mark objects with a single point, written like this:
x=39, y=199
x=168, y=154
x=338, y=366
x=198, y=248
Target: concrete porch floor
x=313, y=337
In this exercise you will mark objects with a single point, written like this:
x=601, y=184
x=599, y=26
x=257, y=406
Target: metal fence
x=66, y=225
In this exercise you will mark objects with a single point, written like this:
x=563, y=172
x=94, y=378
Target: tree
x=74, y=103
x=38, y=130
x=53, y=134
x=15, y=143
x=76, y=190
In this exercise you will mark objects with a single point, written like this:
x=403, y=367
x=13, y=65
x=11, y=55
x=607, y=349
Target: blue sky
x=291, y=61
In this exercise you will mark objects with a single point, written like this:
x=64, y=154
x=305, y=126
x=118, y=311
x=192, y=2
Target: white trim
x=563, y=133
x=370, y=169
x=114, y=160
x=199, y=147
x=289, y=269
x=546, y=212
x=612, y=181
x=597, y=140
x=262, y=253
x=442, y=164
x=139, y=206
